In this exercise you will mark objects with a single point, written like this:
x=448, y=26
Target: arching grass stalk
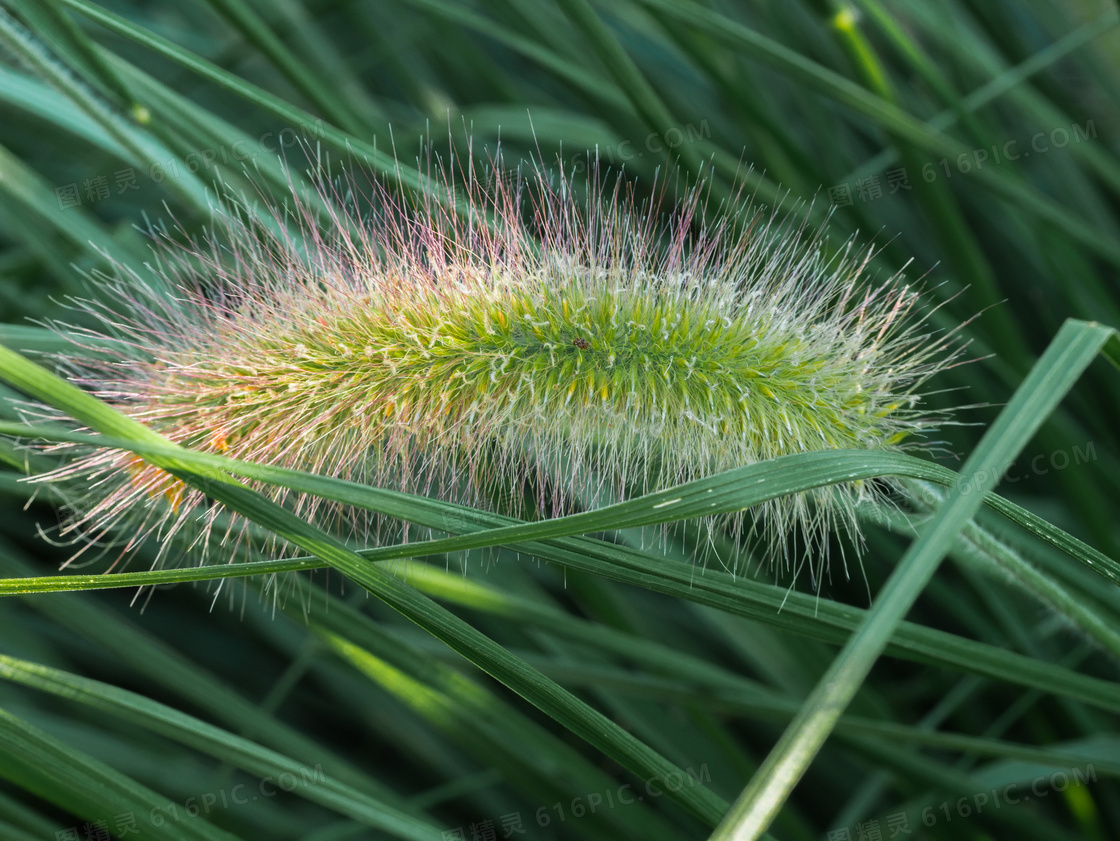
x=559, y=336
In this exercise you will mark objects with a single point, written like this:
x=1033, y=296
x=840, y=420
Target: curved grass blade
x=492, y=658
x=85, y=786
x=779, y=607
x=733, y=490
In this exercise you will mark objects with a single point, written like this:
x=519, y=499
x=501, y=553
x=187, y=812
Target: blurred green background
x=975, y=142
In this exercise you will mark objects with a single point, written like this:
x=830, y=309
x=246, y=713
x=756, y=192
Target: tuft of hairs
x=511, y=339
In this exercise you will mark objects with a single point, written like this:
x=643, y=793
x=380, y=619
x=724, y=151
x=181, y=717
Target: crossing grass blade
x=1078, y=344
x=731, y=491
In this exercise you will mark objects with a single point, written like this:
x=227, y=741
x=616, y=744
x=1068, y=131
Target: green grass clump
x=579, y=671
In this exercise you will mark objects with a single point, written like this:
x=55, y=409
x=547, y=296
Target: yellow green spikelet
x=523, y=352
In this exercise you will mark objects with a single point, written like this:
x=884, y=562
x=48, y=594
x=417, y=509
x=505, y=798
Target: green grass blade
x=1069, y=354
x=168, y=668
x=731, y=491
x=214, y=741
x=87, y=787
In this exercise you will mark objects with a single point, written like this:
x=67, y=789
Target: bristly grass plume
x=509, y=340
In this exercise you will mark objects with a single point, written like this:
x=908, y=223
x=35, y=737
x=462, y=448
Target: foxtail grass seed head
x=517, y=341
